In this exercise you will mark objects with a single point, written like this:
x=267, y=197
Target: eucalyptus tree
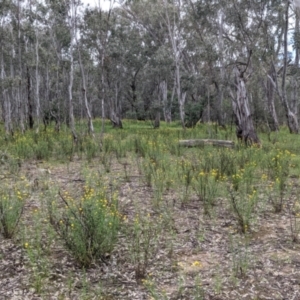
x=278, y=76
x=160, y=75
x=7, y=81
x=12, y=66
x=59, y=58
x=17, y=97
x=245, y=20
x=206, y=61
x=173, y=16
x=158, y=71
x=20, y=106
x=71, y=18
x=232, y=39
x=161, y=25
x=98, y=28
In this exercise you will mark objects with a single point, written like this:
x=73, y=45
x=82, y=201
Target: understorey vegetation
x=132, y=214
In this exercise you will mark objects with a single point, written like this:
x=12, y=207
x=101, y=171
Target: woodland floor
x=194, y=253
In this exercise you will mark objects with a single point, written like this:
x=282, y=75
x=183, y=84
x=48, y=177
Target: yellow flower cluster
x=196, y=264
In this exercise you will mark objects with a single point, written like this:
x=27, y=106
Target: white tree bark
x=84, y=87
x=291, y=116
x=273, y=123
x=244, y=124
x=6, y=105
x=177, y=51
x=37, y=83
x=166, y=106
x=71, y=73
x=220, y=113
x=20, y=106
x=114, y=108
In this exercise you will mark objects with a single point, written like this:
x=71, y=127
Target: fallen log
x=200, y=143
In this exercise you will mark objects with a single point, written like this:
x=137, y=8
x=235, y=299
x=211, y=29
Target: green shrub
x=11, y=209
x=88, y=226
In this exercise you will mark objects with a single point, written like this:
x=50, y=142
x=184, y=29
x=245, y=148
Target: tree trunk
x=71, y=75
x=19, y=95
x=86, y=103
x=166, y=106
x=292, y=120
x=30, y=104
x=174, y=37
x=6, y=105
x=181, y=109
x=181, y=95
x=290, y=115
x=115, y=110
x=244, y=124
x=272, y=115
x=37, y=83
x=220, y=85
x=102, y=95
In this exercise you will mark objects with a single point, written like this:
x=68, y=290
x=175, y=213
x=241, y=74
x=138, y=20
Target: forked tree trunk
x=244, y=124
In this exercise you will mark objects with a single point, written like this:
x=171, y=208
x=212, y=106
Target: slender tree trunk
x=157, y=107
x=220, y=86
x=6, y=105
x=103, y=39
x=37, y=83
x=174, y=37
x=291, y=116
x=166, y=106
x=83, y=78
x=19, y=95
x=292, y=120
x=181, y=96
x=273, y=119
x=29, y=98
x=294, y=96
x=297, y=32
x=102, y=96
x=115, y=117
x=71, y=74
x=86, y=103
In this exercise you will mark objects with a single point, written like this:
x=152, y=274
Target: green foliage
x=242, y=180
x=185, y=176
x=87, y=226
x=243, y=199
x=11, y=209
x=193, y=111
x=206, y=188
x=144, y=235
x=240, y=255
x=278, y=165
